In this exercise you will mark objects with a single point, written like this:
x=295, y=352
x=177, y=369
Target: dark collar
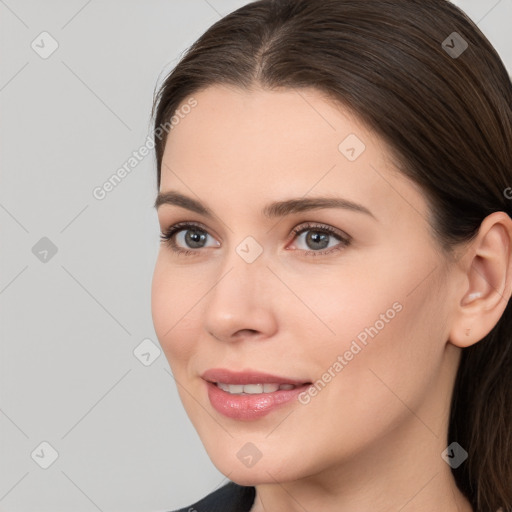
x=228, y=498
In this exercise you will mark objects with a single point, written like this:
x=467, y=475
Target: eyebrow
x=272, y=210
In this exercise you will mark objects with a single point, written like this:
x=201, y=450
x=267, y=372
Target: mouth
x=247, y=377
x=249, y=395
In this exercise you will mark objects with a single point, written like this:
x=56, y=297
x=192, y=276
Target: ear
x=487, y=284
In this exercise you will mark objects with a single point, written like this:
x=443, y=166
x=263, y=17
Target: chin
x=244, y=471
x=253, y=476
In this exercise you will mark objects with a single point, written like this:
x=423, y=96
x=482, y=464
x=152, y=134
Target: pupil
x=194, y=237
x=315, y=237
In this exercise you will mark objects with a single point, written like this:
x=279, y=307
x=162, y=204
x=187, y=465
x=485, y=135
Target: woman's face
x=352, y=307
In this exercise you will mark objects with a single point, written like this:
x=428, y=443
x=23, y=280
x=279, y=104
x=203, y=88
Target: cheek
x=385, y=334
x=338, y=306
x=392, y=350
x=173, y=294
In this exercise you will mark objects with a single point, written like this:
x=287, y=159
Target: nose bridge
x=241, y=299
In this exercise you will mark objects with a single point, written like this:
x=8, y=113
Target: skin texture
x=372, y=438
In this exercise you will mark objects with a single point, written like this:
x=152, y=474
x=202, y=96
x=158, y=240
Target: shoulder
x=228, y=498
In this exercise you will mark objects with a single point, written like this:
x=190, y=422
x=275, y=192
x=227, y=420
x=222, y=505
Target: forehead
x=248, y=145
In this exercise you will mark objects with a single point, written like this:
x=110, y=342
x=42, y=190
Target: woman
x=332, y=290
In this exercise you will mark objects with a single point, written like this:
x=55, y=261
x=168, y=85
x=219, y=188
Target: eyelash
x=167, y=237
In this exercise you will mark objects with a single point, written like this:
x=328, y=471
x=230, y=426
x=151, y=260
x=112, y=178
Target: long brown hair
x=443, y=104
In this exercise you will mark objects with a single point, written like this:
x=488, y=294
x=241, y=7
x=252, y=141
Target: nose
x=241, y=303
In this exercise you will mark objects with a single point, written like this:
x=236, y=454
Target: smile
x=253, y=389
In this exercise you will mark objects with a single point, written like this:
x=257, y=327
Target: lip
x=252, y=406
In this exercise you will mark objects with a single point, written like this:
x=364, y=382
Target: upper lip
x=247, y=377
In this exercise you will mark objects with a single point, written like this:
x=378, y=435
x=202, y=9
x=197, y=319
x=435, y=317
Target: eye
x=192, y=235
x=188, y=234
x=318, y=238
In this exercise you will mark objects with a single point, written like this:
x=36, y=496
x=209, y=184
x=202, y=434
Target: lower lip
x=250, y=407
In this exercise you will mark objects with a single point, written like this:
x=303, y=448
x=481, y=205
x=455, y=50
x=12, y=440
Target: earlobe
x=487, y=282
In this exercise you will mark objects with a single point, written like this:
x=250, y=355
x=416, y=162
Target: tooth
x=252, y=388
x=236, y=388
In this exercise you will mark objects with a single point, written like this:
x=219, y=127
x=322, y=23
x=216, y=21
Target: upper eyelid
x=296, y=231
x=310, y=226
x=182, y=226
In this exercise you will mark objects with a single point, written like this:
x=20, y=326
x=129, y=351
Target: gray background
x=69, y=324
